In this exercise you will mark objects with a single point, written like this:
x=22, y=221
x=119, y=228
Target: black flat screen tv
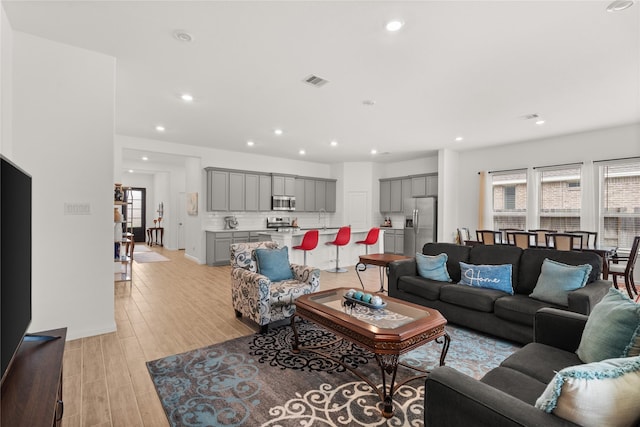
x=15, y=259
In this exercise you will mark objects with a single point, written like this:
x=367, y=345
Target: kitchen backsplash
x=258, y=221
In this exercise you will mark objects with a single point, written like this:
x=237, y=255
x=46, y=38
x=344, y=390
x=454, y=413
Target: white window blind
x=619, y=202
x=560, y=197
x=509, y=198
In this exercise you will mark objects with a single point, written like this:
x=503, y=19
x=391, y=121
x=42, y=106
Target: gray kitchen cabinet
x=251, y=192
x=300, y=206
x=217, y=190
x=418, y=186
x=283, y=185
x=330, y=204
x=264, y=197
x=321, y=195
x=385, y=196
x=393, y=241
x=396, y=195
x=236, y=191
x=309, y=195
x=218, y=244
x=406, y=190
x=432, y=185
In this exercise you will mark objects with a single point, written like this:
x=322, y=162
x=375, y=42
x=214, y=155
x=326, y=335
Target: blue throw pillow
x=274, y=263
x=496, y=277
x=556, y=280
x=433, y=267
x=612, y=329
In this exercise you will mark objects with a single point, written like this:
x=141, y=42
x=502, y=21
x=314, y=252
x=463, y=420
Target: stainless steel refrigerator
x=420, y=225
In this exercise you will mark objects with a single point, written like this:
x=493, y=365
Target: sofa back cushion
x=455, y=254
x=497, y=255
x=531, y=265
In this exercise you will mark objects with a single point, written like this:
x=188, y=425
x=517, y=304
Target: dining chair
x=522, y=239
x=542, y=234
x=625, y=269
x=564, y=241
x=463, y=235
x=489, y=237
x=589, y=238
x=505, y=231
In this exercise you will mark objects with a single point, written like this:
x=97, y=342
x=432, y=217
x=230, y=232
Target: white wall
x=6, y=83
x=63, y=114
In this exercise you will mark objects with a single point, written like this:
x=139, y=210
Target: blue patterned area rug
x=258, y=381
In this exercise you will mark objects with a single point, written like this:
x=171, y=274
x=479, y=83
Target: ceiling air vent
x=530, y=116
x=315, y=81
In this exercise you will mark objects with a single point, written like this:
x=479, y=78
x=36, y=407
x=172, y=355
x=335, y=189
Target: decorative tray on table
x=352, y=301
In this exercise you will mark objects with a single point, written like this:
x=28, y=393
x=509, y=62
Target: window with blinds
x=509, y=194
x=619, y=203
x=560, y=197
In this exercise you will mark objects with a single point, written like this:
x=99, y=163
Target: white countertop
x=298, y=232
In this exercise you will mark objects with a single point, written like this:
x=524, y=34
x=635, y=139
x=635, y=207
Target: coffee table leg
x=389, y=366
x=296, y=342
x=445, y=347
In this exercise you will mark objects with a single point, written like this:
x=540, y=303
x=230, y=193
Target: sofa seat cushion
x=515, y=383
x=540, y=361
x=519, y=308
x=478, y=299
x=425, y=288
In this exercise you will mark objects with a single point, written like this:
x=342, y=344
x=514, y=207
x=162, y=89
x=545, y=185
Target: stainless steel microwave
x=283, y=203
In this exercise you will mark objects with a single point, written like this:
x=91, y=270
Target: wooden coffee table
x=382, y=261
x=389, y=332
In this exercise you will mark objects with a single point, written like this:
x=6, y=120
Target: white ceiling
x=457, y=68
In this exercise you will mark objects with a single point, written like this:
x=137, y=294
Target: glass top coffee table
x=387, y=332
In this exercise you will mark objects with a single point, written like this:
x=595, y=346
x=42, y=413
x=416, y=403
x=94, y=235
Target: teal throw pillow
x=274, y=263
x=595, y=394
x=612, y=329
x=433, y=267
x=496, y=277
x=556, y=280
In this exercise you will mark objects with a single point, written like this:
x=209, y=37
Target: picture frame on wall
x=192, y=203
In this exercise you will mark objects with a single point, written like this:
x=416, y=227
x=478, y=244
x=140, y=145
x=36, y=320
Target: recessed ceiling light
x=278, y=131
x=250, y=143
x=145, y=158
x=459, y=138
x=334, y=143
x=302, y=152
x=186, y=97
x=130, y=170
x=182, y=36
x=394, y=25
x=540, y=122
x=160, y=128
x=374, y=151
x=619, y=5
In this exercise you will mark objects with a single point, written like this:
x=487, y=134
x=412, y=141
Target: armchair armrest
x=455, y=399
x=307, y=274
x=582, y=300
x=397, y=269
x=558, y=328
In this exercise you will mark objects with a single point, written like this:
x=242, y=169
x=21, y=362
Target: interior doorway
x=180, y=218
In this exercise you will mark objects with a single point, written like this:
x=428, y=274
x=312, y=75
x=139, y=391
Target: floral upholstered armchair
x=255, y=296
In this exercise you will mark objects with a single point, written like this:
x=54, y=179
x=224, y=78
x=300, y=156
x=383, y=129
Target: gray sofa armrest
x=558, y=328
x=397, y=269
x=455, y=399
x=582, y=300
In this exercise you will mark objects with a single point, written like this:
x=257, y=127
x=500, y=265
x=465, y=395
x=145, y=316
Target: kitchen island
x=323, y=256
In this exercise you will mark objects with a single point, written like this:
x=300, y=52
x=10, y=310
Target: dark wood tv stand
x=32, y=390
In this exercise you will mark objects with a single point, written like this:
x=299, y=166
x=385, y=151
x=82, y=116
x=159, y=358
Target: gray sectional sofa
x=506, y=395
x=487, y=310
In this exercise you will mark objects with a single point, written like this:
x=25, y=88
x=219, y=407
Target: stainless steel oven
x=283, y=203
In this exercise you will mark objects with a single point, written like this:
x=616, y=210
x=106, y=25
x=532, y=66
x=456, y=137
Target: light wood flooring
x=172, y=307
